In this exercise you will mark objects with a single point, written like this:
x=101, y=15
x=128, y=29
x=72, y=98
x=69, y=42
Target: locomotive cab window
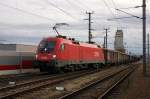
x=46, y=46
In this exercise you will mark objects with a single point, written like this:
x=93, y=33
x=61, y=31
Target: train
x=66, y=54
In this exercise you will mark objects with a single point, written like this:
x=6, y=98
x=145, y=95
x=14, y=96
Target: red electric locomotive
x=60, y=53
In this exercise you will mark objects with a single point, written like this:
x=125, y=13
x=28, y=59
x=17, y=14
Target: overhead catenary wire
x=83, y=4
x=74, y=4
x=131, y=7
x=62, y=10
x=108, y=7
x=114, y=3
x=24, y=11
x=111, y=12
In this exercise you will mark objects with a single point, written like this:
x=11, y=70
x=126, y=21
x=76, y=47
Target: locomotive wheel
x=96, y=66
x=72, y=68
x=90, y=66
x=64, y=69
x=76, y=67
x=42, y=69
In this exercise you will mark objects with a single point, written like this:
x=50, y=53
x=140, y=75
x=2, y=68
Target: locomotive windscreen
x=46, y=46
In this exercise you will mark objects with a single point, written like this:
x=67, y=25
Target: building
x=118, y=44
x=18, y=48
x=16, y=58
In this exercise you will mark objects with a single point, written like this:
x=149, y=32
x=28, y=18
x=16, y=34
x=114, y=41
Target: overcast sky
x=28, y=21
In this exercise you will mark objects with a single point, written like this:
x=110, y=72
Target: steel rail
x=13, y=91
x=115, y=84
x=77, y=92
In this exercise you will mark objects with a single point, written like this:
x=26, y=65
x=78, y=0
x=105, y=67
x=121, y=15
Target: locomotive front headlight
x=54, y=56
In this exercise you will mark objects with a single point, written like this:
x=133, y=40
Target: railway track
x=22, y=88
x=4, y=80
x=101, y=87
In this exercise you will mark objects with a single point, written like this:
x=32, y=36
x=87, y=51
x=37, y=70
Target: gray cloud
x=20, y=26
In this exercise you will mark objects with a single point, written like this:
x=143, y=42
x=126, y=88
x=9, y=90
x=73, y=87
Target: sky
x=28, y=21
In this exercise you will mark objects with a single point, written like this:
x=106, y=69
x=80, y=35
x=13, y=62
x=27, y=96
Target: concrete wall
x=16, y=62
x=8, y=47
x=18, y=48
x=25, y=48
x=16, y=58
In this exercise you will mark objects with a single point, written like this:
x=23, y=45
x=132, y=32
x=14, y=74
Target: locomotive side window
x=62, y=47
